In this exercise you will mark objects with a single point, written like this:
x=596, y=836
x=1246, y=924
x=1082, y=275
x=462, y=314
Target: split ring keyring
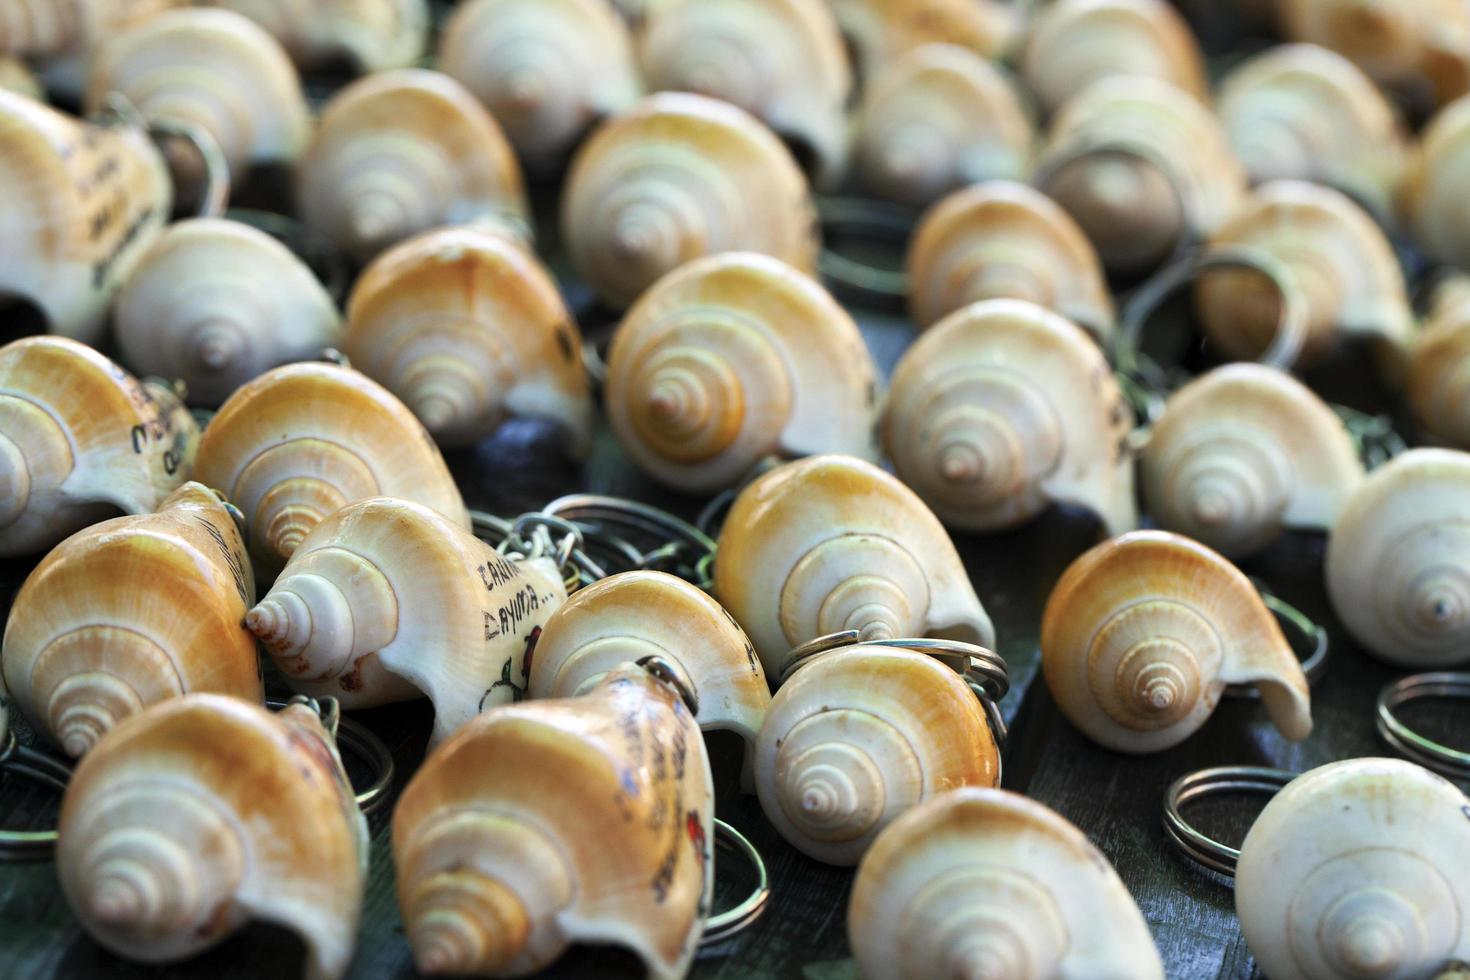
x=724, y=925
x=354, y=738
x=1194, y=843
x=1425, y=751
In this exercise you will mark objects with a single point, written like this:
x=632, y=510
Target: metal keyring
x=712, y=517
x=724, y=925
x=1314, y=664
x=318, y=252
x=508, y=537
x=595, y=514
x=1191, y=842
x=354, y=738
x=30, y=845
x=1428, y=753
x=872, y=219
x=664, y=671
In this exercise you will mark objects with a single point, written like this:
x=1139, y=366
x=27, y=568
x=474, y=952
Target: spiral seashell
x=82, y=205
x=1243, y=453
x=49, y=27
x=980, y=882
x=1415, y=47
x=733, y=358
x=1438, y=384
x=1141, y=166
x=301, y=442
x=832, y=543
x=553, y=822
x=213, y=69
x=467, y=327
x=1301, y=112
x=215, y=303
x=782, y=61
x=1351, y=871
x=675, y=178
x=1333, y=253
x=638, y=614
x=1003, y=240
x=131, y=612
x=401, y=152
x=387, y=600
x=859, y=736
x=369, y=35
x=878, y=31
x=203, y=812
x=1004, y=408
x=939, y=118
x=1398, y=560
x=1431, y=197
x=547, y=71
x=1074, y=43
x=1142, y=634
x=80, y=438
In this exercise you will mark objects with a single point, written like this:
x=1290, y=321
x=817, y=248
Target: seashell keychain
x=1398, y=560
x=878, y=31
x=860, y=732
x=1438, y=381
x=203, y=812
x=401, y=152
x=1143, y=633
x=1074, y=43
x=1430, y=203
x=832, y=543
x=552, y=822
x=1003, y=408
x=1004, y=240
x=302, y=441
x=216, y=303
x=387, y=600
x=1243, y=453
x=675, y=178
x=547, y=71
x=370, y=35
x=467, y=327
x=783, y=61
x=732, y=358
x=1348, y=872
x=80, y=438
x=936, y=119
x=980, y=879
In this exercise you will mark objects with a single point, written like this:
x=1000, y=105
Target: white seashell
x=49, y=27
x=1433, y=205
x=1438, y=385
x=1243, y=453
x=1352, y=871
x=878, y=31
x=982, y=882
x=733, y=358
x=1003, y=408
x=1398, y=561
x=16, y=77
x=206, y=811
x=370, y=35
x=936, y=119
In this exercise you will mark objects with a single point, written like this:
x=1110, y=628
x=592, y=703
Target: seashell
x=203, y=812
x=733, y=358
x=1142, y=634
x=49, y=27
x=832, y=543
x=635, y=13
x=1004, y=408
x=1003, y=240
x=1398, y=560
x=216, y=303
x=400, y=152
x=131, y=612
x=638, y=614
x=1431, y=195
x=213, y=69
x=370, y=35
x=467, y=327
x=1329, y=248
x=1301, y=112
x=1142, y=166
x=548, y=70
x=936, y=119
x=1074, y=43
x=782, y=61
x=83, y=203
x=675, y=178
x=16, y=77
x=502, y=839
x=878, y=31
x=79, y=439
x=1243, y=453
x=1352, y=871
x=302, y=441
x=387, y=600
x=983, y=882
x=860, y=735
x=1438, y=384
x=1418, y=45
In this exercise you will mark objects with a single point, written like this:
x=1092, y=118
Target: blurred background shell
x=878, y=31
x=369, y=35
x=1438, y=385
x=49, y=27
x=1433, y=199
